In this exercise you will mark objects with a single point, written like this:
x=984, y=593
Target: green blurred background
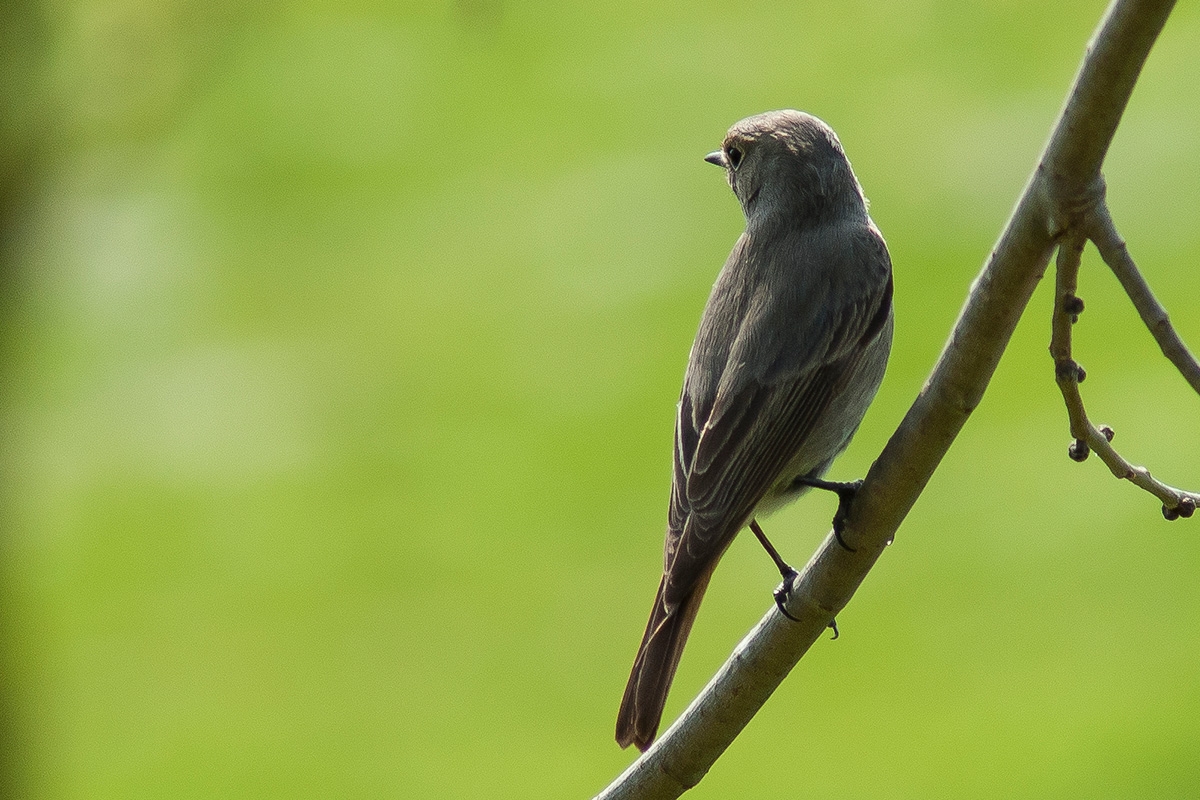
x=341, y=343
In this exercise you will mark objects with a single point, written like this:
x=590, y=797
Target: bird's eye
x=734, y=155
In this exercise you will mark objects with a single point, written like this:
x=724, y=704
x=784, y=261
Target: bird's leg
x=789, y=574
x=785, y=569
x=845, y=493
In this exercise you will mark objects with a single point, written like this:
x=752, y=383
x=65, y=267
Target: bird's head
x=787, y=162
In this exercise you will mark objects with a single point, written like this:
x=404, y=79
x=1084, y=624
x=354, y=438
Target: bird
x=791, y=349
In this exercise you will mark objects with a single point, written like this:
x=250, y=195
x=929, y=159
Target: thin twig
x=1067, y=307
x=1103, y=232
x=1068, y=374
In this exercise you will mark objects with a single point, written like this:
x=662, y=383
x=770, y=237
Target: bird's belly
x=832, y=433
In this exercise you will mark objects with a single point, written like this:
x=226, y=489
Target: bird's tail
x=654, y=668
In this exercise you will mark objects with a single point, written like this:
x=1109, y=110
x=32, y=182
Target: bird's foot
x=784, y=592
x=845, y=492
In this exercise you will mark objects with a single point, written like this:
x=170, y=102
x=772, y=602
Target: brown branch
x=1069, y=172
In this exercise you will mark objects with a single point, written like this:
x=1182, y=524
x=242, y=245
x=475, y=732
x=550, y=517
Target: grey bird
x=792, y=346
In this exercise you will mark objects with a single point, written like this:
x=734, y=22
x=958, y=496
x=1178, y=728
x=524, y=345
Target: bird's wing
x=728, y=458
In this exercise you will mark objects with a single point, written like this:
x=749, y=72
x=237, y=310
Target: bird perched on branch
x=791, y=349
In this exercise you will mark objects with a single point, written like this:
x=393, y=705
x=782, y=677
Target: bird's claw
x=845, y=493
x=784, y=591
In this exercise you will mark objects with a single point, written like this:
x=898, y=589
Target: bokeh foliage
x=341, y=346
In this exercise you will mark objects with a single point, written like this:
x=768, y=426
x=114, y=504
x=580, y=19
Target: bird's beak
x=718, y=158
